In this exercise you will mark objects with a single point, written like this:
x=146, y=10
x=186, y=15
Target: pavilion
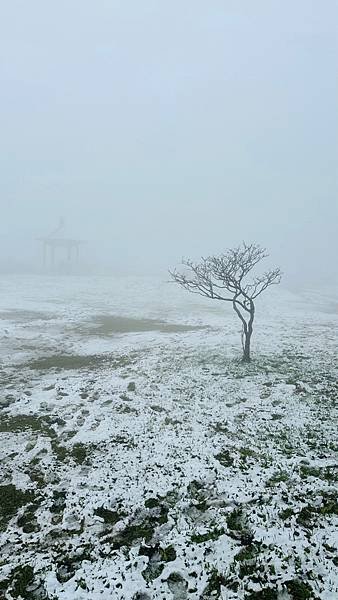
x=58, y=242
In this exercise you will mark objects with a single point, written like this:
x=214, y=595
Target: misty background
x=168, y=129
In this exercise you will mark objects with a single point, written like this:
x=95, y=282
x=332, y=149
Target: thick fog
x=166, y=129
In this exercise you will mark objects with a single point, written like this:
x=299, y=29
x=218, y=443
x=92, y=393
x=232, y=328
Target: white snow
x=170, y=415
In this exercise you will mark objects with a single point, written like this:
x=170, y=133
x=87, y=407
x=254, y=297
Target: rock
x=30, y=445
x=5, y=402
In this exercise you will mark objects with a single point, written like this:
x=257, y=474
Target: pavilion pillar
x=52, y=255
x=44, y=254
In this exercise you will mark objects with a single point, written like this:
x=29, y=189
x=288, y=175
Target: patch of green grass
x=152, y=571
x=305, y=516
x=110, y=517
x=175, y=578
x=69, y=561
x=246, y=453
x=219, y=427
x=157, y=408
x=59, y=502
x=286, y=513
x=235, y=520
x=237, y=525
x=155, y=565
x=80, y=452
x=35, y=475
x=195, y=487
x=265, y=594
x=328, y=508
x=22, y=578
x=125, y=409
x=168, y=554
x=198, y=494
x=247, y=553
x=63, y=362
x=141, y=529
x=306, y=471
x=28, y=521
x=131, y=534
x=214, y=586
x=152, y=502
x=81, y=584
x=225, y=458
x=61, y=452
x=173, y=422
x=299, y=590
x=329, y=474
x=245, y=561
x=18, y=423
x=213, y=534
x=19, y=585
x=109, y=324
x=123, y=440
x=278, y=477
x=330, y=504
x=177, y=585
x=11, y=499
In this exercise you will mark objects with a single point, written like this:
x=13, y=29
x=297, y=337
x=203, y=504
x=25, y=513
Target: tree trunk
x=246, y=347
x=248, y=333
x=247, y=328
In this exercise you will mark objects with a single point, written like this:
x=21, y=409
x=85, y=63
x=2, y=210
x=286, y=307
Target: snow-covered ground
x=141, y=460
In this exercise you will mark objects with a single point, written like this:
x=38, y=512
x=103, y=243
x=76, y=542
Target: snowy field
x=140, y=460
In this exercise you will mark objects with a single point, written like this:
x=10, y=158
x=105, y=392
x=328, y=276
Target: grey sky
x=162, y=129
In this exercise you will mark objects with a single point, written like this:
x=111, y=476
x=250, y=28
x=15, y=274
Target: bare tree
x=224, y=278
